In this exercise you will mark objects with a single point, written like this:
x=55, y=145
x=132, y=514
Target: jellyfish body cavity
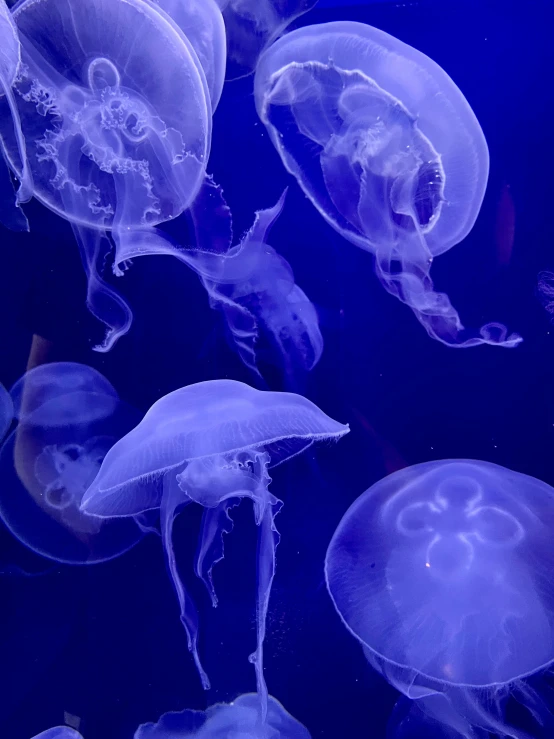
x=112, y=147
x=439, y=570
x=211, y=443
x=387, y=149
x=53, y=456
x=241, y=718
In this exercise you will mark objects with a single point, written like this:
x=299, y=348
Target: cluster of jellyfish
x=441, y=571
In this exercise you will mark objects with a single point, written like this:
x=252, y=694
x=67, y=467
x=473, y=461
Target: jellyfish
x=202, y=23
x=442, y=571
x=6, y=411
x=69, y=417
x=10, y=60
x=59, y=732
x=387, y=149
x=110, y=147
x=241, y=718
x=211, y=443
x=252, y=25
x=250, y=284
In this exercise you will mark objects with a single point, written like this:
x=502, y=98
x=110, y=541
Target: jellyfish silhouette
x=250, y=284
x=6, y=411
x=112, y=146
x=52, y=457
x=252, y=25
x=59, y=732
x=241, y=718
x=442, y=572
x=211, y=443
x=202, y=23
x=10, y=60
x=388, y=150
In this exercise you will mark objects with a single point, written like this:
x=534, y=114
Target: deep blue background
x=104, y=643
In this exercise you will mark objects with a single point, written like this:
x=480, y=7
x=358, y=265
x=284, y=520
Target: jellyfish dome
x=241, y=718
x=52, y=457
x=63, y=394
x=59, y=732
x=388, y=150
x=6, y=411
x=211, y=443
x=116, y=111
x=442, y=572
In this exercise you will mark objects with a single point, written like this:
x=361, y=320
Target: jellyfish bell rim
x=420, y=675
x=269, y=69
x=157, y=15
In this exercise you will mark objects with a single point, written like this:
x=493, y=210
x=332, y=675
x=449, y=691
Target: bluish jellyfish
x=202, y=23
x=117, y=117
x=63, y=394
x=443, y=572
x=250, y=283
x=52, y=457
x=211, y=443
x=252, y=25
x=11, y=214
x=59, y=732
x=241, y=718
x=6, y=411
x=387, y=149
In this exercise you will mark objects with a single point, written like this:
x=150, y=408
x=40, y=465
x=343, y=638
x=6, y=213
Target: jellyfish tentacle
x=215, y=523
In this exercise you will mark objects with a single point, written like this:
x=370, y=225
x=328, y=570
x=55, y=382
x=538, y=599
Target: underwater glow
x=241, y=718
x=52, y=457
x=387, y=149
x=211, y=443
x=442, y=572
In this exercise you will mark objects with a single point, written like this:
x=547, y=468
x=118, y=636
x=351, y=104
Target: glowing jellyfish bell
x=211, y=443
x=241, y=718
x=388, y=150
x=59, y=732
x=52, y=457
x=443, y=572
x=118, y=114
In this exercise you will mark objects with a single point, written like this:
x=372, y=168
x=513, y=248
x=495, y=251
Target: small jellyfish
x=10, y=61
x=443, y=572
x=59, y=732
x=252, y=25
x=387, y=149
x=6, y=411
x=241, y=718
x=53, y=456
x=250, y=284
x=211, y=443
x=109, y=147
x=202, y=23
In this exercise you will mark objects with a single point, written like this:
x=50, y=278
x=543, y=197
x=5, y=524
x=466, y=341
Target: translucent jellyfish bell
x=59, y=732
x=202, y=23
x=210, y=443
x=388, y=150
x=51, y=459
x=117, y=109
x=241, y=719
x=63, y=394
x=6, y=411
x=442, y=572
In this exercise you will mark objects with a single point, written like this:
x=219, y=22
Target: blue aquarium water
x=297, y=252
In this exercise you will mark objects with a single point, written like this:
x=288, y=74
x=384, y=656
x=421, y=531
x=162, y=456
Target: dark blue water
x=104, y=643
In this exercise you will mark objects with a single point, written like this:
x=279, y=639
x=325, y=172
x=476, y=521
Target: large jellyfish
x=202, y=23
x=211, y=443
x=252, y=25
x=115, y=107
x=241, y=718
x=69, y=417
x=388, y=150
x=443, y=572
x=6, y=411
x=250, y=283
